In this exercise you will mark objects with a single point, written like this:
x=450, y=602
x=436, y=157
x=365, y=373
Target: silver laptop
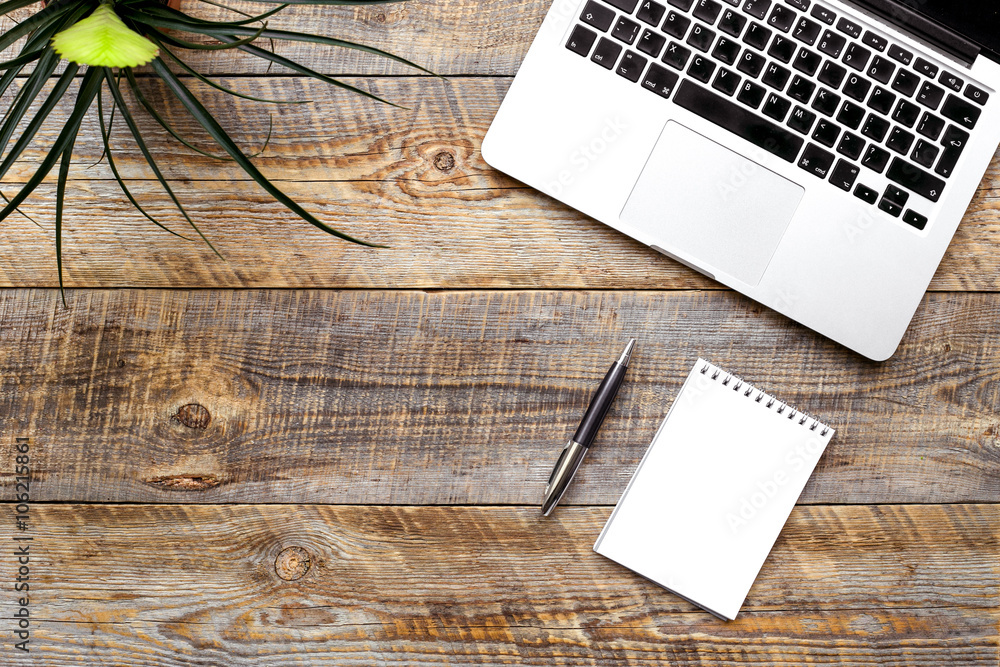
x=814, y=155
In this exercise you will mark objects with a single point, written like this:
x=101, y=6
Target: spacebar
x=738, y=120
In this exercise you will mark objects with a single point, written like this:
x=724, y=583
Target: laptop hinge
x=921, y=27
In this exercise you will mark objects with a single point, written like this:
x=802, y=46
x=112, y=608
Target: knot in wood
x=193, y=415
x=292, y=563
x=444, y=161
x=380, y=18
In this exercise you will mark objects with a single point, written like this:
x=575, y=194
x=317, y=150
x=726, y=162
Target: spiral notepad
x=714, y=489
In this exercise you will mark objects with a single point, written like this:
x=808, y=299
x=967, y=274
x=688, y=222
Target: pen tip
x=627, y=354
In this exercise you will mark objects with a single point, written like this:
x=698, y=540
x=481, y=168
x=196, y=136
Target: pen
x=574, y=451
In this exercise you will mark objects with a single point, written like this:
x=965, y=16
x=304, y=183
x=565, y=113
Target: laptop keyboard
x=798, y=81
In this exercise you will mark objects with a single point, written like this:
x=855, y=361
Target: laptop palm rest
x=715, y=206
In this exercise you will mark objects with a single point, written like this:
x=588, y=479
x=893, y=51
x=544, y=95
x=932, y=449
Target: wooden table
x=313, y=453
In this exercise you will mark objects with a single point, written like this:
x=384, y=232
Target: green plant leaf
x=103, y=40
x=207, y=121
x=116, y=94
x=106, y=137
x=67, y=157
x=89, y=88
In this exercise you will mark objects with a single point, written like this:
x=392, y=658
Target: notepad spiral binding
x=748, y=390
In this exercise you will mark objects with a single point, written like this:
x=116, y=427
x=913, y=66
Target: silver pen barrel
x=562, y=474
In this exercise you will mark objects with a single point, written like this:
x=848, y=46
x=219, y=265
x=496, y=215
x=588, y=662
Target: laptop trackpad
x=714, y=205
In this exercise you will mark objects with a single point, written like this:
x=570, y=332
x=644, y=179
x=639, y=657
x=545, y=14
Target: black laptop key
x=851, y=115
x=930, y=95
x=775, y=76
x=580, y=40
x=900, y=55
x=801, y=120
x=781, y=18
x=806, y=31
x=851, y=145
x=905, y=82
x=683, y=5
x=606, y=54
x=627, y=6
x=900, y=140
x=951, y=81
x=826, y=102
x=890, y=207
x=776, y=107
x=865, y=194
x=831, y=74
x=701, y=69
x=676, y=55
x=739, y=120
x=977, y=95
x=816, y=161
x=930, y=70
x=801, y=5
x=651, y=43
x=875, y=159
x=877, y=42
x=807, y=61
x=707, y=11
x=960, y=111
x=631, y=66
x=801, y=89
x=844, y=175
x=856, y=57
x=914, y=219
x=925, y=153
x=732, y=23
x=857, y=87
x=701, y=37
x=823, y=14
x=930, y=125
x=751, y=63
x=896, y=195
x=831, y=43
x=881, y=100
x=915, y=179
x=660, y=80
x=757, y=36
x=954, y=141
x=782, y=48
x=676, y=25
x=598, y=16
x=881, y=69
x=726, y=50
x=875, y=128
x=650, y=12
x=757, y=8
x=826, y=133
x=849, y=27
x=906, y=113
x=625, y=30
x=726, y=82
x=751, y=94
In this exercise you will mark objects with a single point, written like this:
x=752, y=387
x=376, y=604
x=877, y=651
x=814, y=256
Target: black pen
x=574, y=451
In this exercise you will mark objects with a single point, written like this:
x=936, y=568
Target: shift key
x=915, y=179
x=738, y=120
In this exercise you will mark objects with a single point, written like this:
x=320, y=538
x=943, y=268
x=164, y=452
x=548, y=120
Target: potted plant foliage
x=99, y=43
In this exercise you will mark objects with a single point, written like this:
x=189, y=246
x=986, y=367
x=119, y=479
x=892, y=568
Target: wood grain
x=412, y=178
x=178, y=585
x=425, y=398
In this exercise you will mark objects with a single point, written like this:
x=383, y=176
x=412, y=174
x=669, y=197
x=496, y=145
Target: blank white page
x=713, y=490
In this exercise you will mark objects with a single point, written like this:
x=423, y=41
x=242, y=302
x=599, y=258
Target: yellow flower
x=103, y=40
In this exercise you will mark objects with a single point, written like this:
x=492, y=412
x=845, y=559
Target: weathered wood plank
x=416, y=398
x=480, y=37
x=906, y=586
x=413, y=179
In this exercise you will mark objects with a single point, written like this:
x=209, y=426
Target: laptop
x=814, y=155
